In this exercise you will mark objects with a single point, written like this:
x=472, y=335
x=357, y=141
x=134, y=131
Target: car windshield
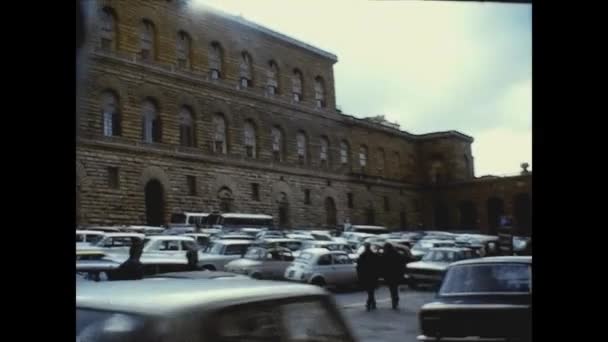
x=304, y=258
x=255, y=253
x=485, y=278
x=215, y=248
x=423, y=245
x=93, y=325
x=441, y=256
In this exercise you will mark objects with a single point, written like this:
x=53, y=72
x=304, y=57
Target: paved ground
x=383, y=324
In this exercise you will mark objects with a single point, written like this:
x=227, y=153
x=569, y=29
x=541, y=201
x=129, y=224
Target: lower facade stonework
x=150, y=182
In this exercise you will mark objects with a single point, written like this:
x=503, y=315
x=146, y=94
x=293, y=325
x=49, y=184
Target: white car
x=220, y=252
x=355, y=239
x=329, y=245
x=319, y=266
x=86, y=238
x=113, y=243
x=262, y=263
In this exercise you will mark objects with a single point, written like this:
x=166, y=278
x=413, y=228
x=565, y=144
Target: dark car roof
x=166, y=296
x=493, y=260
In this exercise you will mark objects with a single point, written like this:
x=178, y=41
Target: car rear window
x=483, y=278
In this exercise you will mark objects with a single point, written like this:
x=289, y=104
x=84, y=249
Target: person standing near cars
x=367, y=272
x=394, y=268
x=132, y=269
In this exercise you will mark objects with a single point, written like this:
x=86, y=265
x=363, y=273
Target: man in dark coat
x=367, y=272
x=394, y=267
x=132, y=269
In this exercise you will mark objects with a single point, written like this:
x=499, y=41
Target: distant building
x=202, y=111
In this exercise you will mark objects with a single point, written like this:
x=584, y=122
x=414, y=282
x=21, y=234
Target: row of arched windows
x=148, y=42
x=151, y=132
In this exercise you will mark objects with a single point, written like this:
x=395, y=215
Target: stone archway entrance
x=155, y=203
x=226, y=200
x=468, y=215
x=330, y=212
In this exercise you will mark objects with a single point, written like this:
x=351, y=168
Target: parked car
x=147, y=230
x=291, y=244
x=262, y=263
x=234, y=236
x=88, y=237
x=424, y=245
x=299, y=236
x=221, y=309
x=485, y=299
x=329, y=245
x=197, y=275
x=322, y=267
x=432, y=267
x=105, y=229
x=201, y=239
x=220, y=252
x=355, y=239
x=113, y=243
x=267, y=234
x=168, y=246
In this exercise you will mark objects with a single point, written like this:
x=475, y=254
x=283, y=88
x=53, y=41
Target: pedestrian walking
x=132, y=269
x=367, y=272
x=393, y=269
x=192, y=256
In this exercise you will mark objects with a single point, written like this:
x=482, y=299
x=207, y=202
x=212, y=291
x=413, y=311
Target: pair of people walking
x=390, y=266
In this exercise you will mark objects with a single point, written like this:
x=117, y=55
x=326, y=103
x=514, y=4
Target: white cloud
x=431, y=66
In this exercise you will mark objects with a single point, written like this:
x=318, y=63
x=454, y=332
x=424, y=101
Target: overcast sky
x=428, y=65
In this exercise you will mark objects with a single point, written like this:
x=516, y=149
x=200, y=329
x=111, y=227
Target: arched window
x=277, y=143
x=381, y=161
x=183, y=50
x=397, y=158
x=272, y=83
x=363, y=156
x=147, y=40
x=245, y=70
x=215, y=61
x=219, y=134
x=319, y=92
x=186, y=127
x=250, y=139
x=110, y=114
x=344, y=152
x=108, y=29
x=296, y=85
x=302, y=147
x=150, y=122
x=324, y=152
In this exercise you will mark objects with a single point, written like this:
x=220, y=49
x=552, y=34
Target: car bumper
x=423, y=338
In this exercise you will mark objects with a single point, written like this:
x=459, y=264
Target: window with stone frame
x=301, y=147
x=344, y=152
x=183, y=50
x=151, y=130
x=387, y=206
x=319, y=92
x=219, y=134
x=324, y=152
x=108, y=29
x=363, y=156
x=397, y=159
x=245, y=70
x=272, y=83
x=110, y=114
x=307, y=196
x=113, y=178
x=381, y=161
x=215, y=56
x=186, y=127
x=276, y=135
x=296, y=85
x=250, y=139
x=147, y=41
x=191, y=182
x=255, y=191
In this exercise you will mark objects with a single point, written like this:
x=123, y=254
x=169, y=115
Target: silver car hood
x=436, y=266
